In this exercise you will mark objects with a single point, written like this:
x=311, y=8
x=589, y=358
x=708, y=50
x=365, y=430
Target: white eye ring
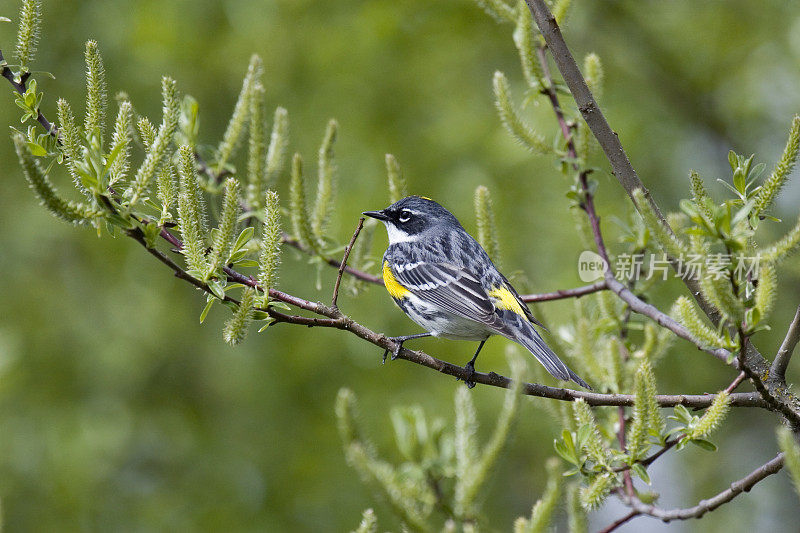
x=405, y=215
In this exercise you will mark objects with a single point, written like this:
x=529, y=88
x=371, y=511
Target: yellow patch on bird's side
x=505, y=299
x=395, y=289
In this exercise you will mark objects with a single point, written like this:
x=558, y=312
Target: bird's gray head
x=413, y=216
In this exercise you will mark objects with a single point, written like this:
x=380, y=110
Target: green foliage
x=158, y=150
x=441, y=470
x=498, y=10
x=326, y=185
x=576, y=515
x=96, y=99
x=594, y=74
x=783, y=247
x=487, y=228
x=236, y=327
x=278, y=143
x=775, y=182
x=397, y=184
x=791, y=455
x=560, y=9
x=225, y=233
x=514, y=123
x=269, y=247
x=766, y=290
x=369, y=522
x=29, y=102
x=71, y=140
x=30, y=20
x=236, y=125
x=593, y=495
x=546, y=506
x=191, y=213
x=73, y=212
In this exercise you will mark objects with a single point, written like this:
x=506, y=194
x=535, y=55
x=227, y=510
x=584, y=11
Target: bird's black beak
x=380, y=215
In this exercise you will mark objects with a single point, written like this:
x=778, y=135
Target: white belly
x=443, y=324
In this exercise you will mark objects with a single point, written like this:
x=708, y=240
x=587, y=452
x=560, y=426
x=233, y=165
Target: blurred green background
x=120, y=412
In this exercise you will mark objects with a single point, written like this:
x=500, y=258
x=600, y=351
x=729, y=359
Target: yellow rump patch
x=395, y=289
x=426, y=198
x=505, y=299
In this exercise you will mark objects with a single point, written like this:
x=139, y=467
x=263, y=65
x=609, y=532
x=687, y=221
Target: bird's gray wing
x=451, y=288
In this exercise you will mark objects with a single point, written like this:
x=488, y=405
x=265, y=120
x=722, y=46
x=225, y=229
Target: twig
x=624, y=519
x=705, y=506
x=577, y=292
x=778, y=369
x=736, y=382
x=774, y=403
x=343, y=264
x=21, y=88
x=363, y=276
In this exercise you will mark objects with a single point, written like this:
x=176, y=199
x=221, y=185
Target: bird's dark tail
x=531, y=340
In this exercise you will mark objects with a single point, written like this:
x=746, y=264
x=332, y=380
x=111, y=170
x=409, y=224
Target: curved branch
x=705, y=506
x=20, y=87
x=780, y=364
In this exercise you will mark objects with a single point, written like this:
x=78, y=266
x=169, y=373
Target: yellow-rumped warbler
x=445, y=282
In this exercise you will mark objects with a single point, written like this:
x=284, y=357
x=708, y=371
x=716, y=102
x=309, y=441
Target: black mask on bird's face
x=408, y=218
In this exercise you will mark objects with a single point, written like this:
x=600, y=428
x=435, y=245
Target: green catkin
x=596, y=493
x=278, y=143
x=543, y=510
x=397, y=183
x=637, y=434
x=524, y=40
x=225, y=234
x=487, y=228
x=498, y=10
x=70, y=141
x=165, y=182
x=783, y=168
x=369, y=522
x=230, y=139
x=298, y=210
x=791, y=451
x=326, y=185
x=516, y=126
x=594, y=446
x=784, y=247
x=683, y=311
x=159, y=148
x=466, y=448
x=560, y=10
x=121, y=140
x=30, y=18
x=576, y=516
x=665, y=237
x=713, y=417
x=96, y=97
x=73, y=212
x=256, y=160
x=594, y=74
x=147, y=132
x=191, y=212
x=614, y=365
x=766, y=289
x=270, y=253
x=235, y=330
x=699, y=193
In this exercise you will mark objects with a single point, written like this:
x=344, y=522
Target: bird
x=444, y=280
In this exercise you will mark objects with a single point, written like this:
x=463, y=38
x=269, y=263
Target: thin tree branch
x=778, y=369
x=621, y=521
x=705, y=506
x=358, y=274
x=577, y=292
x=343, y=264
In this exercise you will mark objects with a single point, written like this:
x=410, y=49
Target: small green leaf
x=206, y=309
x=217, y=288
x=706, y=445
x=640, y=471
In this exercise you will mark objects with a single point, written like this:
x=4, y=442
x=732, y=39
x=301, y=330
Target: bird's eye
x=405, y=215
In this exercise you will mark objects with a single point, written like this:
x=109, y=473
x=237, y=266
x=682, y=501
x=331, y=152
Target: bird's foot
x=396, y=351
x=470, y=368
